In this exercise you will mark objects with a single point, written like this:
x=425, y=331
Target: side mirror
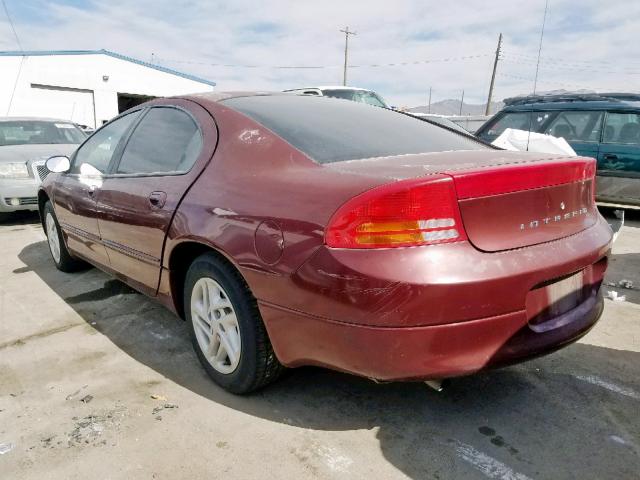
x=58, y=164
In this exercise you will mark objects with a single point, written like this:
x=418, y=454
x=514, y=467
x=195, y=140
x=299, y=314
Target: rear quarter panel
x=256, y=177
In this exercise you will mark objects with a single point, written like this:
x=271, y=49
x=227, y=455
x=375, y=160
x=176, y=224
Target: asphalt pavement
x=97, y=381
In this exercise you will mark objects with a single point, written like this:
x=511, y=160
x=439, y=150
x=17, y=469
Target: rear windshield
x=330, y=130
x=37, y=132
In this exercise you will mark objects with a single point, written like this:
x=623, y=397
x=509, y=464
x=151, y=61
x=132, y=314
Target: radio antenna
x=535, y=80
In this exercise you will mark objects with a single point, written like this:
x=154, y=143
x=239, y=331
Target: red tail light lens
x=401, y=214
x=513, y=178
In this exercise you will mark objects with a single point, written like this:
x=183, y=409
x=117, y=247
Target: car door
x=164, y=154
x=75, y=194
x=619, y=159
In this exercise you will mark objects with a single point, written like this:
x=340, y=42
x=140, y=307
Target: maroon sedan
x=294, y=230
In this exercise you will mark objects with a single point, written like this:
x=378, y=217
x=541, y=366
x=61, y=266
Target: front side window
x=95, y=155
x=167, y=140
x=516, y=120
x=39, y=132
x=576, y=125
x=622, y=128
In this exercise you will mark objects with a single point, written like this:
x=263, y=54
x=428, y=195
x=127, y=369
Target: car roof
x=220, y=96
x=34, y=119
x=588, y=101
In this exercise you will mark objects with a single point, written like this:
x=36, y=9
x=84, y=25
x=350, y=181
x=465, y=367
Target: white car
x=346, y=93
x=25, y=145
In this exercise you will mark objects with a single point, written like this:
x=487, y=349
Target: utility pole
x=461, y=103
x=429, y=107
x=493, y=75
x=346, y=32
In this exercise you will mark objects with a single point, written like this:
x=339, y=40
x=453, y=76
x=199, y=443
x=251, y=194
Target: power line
x=13, y=29
x=565, y=60
x=552, y=82
x=313, y=67
x=566, y=66
x=15, y=34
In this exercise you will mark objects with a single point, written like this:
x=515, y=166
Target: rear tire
x=59, y=253
x=226, y=328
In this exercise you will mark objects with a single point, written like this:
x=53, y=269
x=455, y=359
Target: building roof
x=37, y=53
x=34, y=119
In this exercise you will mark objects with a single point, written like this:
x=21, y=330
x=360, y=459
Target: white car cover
x=521, y=140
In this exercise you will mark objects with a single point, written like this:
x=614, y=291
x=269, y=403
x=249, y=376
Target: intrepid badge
x=556, y=218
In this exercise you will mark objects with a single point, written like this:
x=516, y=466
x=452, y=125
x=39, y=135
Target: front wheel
x=226, y=328
x=61, y=257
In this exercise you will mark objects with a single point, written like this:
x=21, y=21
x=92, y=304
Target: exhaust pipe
x=437, y=385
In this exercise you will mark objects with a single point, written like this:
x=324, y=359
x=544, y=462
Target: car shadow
x=25, y=217
x=572, y=414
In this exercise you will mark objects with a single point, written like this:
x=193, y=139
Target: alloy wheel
x=52, y=237
x=216, y=325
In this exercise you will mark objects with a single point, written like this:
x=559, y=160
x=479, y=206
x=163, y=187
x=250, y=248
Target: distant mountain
x=452, y=107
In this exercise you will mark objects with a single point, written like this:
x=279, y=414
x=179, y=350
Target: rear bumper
x=431, y=312
x=25, y=190
x=431, y=285
x=420, y=353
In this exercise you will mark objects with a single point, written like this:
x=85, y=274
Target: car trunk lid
x=507, y=200
x=526, y=204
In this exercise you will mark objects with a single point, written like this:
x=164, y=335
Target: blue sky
x=586, y=45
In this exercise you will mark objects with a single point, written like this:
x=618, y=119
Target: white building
x=87, y=87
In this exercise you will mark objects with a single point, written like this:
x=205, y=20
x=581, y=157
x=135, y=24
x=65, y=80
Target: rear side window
x=331, y=130
x=622, y=128
x=167, y=140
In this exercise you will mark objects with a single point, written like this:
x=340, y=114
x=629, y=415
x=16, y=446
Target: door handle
x=157, y=199
x=91, y=190
x=610, y=156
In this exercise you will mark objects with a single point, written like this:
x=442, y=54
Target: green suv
x=604, y=126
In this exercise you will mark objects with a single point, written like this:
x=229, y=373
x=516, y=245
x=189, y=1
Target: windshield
x=38, y=132
x=363, y=96
x=329, y=130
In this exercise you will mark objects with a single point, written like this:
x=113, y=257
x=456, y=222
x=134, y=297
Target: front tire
x=59, y=253
x=226, y=328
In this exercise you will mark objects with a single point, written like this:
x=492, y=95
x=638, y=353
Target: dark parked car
x=604, y=126
x=296, y=230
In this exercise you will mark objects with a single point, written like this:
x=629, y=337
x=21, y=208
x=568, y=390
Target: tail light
x=402, y=214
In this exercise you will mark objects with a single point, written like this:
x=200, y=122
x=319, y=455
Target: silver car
x=25, y=145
